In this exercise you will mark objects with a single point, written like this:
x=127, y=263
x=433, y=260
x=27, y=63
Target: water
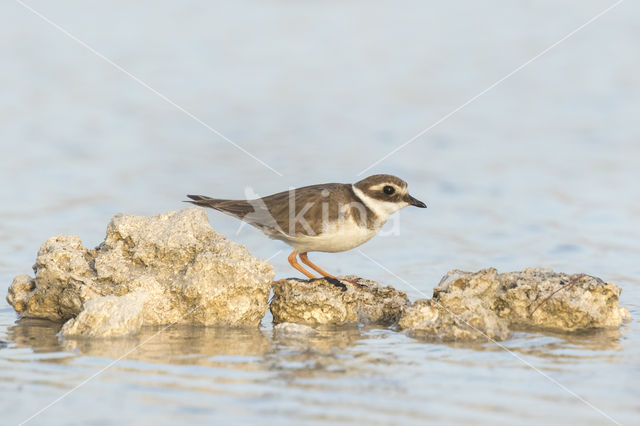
x=539, y=171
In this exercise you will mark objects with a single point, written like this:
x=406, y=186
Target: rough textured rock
x=173, y=268
x=320, y=302
x=170, y=268
x=486, y=304
x=108, y=316
x=19, y=292
x=431, y=320
x=63, y=280
x=581, y=301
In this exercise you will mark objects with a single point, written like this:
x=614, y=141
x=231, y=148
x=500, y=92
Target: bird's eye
x=388, y=190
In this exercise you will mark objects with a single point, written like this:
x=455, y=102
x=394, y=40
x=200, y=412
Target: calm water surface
x=540, y=171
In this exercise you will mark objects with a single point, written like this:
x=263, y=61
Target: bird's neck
x=380, y=210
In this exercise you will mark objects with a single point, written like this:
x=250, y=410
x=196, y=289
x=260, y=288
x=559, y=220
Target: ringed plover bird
x=330, y=217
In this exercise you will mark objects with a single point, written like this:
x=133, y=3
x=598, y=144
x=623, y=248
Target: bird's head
x=385, y=194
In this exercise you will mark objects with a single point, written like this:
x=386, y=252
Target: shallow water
x=539, y=171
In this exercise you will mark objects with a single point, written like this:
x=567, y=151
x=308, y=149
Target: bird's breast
x=334, y=238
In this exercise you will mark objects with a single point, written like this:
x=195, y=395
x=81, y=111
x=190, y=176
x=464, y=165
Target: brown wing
x=272, y=214
x=310, y=206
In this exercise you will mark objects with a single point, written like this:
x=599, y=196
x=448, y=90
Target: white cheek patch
x=382, y=209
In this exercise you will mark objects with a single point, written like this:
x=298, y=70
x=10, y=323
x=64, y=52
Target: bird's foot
x=356, y=283
x=336, y=282
x=284, y=280
x=339, y=282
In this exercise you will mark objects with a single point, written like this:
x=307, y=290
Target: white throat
x=382, y=209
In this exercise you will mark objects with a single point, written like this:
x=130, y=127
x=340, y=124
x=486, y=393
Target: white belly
x=335, y=239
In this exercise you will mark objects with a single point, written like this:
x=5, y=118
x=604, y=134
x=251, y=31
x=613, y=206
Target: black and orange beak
x=414, y=202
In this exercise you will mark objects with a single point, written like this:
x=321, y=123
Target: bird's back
x=301, y=211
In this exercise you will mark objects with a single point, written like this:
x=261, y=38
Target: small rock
x=20, y=291
x=321, y=302
x=108, y=316
x=577, y=301
x=430, y=320
x=486, y=304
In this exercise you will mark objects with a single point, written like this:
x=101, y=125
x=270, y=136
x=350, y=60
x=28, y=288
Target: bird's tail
x=204, y=201
x=236, y=208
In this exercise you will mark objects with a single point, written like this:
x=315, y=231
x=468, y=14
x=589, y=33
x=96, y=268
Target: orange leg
x=306, y=261
x=293, y=261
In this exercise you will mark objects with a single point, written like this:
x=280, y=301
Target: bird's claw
x=336, y=282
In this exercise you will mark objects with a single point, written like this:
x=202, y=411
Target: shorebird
x=330, y=217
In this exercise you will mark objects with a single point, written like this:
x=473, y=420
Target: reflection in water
x=216, y=346
x=545, y=344
x=198, y=345
x=556, y=344
x=332, y=367
x=322, y=354
x=178, y=344
x=37, y=334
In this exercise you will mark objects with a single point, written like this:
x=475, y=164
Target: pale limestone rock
x=428, y=319
x=108, y=316
x=582, y=301
x=173, y=268
x=179, y=269
x=63, y=280
x=320, y=302
x=486, y=304
x=19, y=292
